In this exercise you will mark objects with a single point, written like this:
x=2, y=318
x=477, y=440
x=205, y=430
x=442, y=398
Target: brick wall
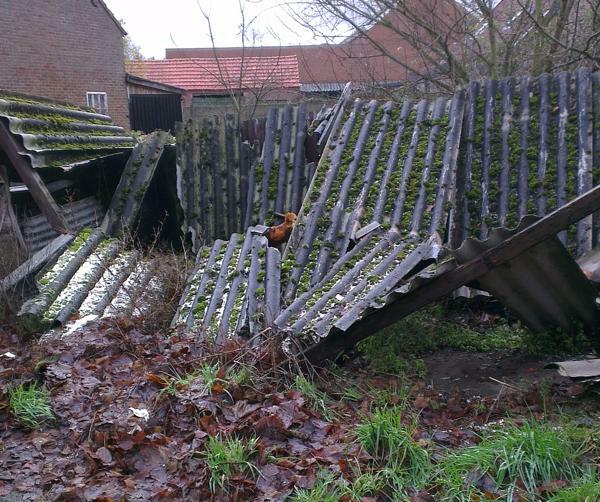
x=61, y=49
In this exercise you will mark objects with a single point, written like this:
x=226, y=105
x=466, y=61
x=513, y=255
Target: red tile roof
x=219, y=74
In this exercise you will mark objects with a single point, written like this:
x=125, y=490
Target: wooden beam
x=445, y=284
x=31, y=178
x=35, y=263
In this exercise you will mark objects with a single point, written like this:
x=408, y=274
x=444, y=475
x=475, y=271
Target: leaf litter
x=118, y=434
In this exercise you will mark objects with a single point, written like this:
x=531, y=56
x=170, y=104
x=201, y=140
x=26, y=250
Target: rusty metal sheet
x=54, y=134
x=37, y=232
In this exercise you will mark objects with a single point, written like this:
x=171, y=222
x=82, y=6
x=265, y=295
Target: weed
x=179, y=383
x=351, y=394
x=315, y=399
x=243, y=376
x=396, y=396
x=528, y=456
x=226, y=458
x=324, y=490
x=208, y=373
x=390, y=443
x=587, y=491
x=368, y=483
x=556, y=342
x=30, y=406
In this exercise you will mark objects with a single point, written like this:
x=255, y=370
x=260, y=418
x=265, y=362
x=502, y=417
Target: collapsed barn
x=399, y=204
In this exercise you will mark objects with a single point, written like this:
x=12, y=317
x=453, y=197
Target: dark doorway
x=149, y=112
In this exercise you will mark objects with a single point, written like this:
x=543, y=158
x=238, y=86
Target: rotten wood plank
x=38, y=190
x=446, y=283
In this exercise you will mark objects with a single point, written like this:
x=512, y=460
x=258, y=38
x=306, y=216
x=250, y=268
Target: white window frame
x=98, y=100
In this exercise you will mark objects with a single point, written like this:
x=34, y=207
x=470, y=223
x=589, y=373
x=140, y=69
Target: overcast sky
x=157, y=24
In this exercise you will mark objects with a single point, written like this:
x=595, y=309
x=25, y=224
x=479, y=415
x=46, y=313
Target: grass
x=207, y=372
x=31, y=405
x=390, y=443
x=587, y=491
x=315, y=399
x=529, y=456
x=325, y=490
x=397, y=349
x=229, y=457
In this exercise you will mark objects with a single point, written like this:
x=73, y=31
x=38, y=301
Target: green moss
x=80, y=240
x=381, y=165
x=533, y=180
x=413, y=181
x=495, y=167
x=474, y=183
x=395, y=178
x=432, y=184
x=514, y=156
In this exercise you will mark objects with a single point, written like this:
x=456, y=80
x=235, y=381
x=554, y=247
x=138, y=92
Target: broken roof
x=54, y=134
x=221, y=74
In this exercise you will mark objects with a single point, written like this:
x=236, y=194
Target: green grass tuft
x=315, y=399
x=390, y=443
x=226, y=458
x=528, y=455
x=31, y=405
x=583, y=492
x=324, y=490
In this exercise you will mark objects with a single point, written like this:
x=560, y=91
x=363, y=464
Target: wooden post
x=32, y=179
x=444, y=284
x=7, y=215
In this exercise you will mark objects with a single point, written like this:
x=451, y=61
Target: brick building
x=210, y=84
x=68, y=50
x=326, y=68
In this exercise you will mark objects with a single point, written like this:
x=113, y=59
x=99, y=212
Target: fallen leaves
x=123, y=431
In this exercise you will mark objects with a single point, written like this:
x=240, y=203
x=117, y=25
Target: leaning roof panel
x=53, y=134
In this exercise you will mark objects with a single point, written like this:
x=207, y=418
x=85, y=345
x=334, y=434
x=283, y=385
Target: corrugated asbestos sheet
x=397, y=180
x=97, y=275
x=390, y=164
x=94, y=277
x=224, y=189
x=529, y=146
x=537, y=279
x=54, y=134
x=543, y=286
x=356, y=282
x=233, y=289
x=212, y=179
x=133, y=185
x=278, y=181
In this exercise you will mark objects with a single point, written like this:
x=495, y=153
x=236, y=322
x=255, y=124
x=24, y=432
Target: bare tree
x=453, y=41
x=250, y=86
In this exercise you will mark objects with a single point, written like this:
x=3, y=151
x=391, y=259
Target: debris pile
x=395, y=184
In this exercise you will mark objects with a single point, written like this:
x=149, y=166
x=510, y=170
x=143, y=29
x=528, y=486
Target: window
x=98, y=101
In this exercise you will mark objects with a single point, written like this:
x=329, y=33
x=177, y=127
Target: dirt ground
x=480, y=373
